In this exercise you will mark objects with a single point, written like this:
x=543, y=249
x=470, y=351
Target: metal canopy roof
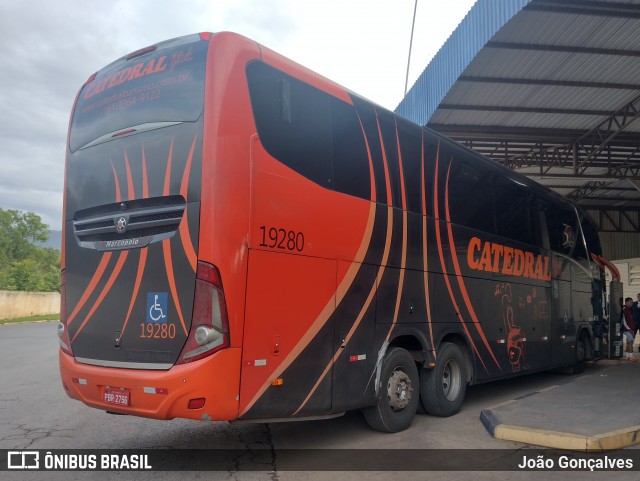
x=549, y=88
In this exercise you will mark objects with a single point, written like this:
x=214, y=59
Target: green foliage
x=55, y=316
x=24, y=266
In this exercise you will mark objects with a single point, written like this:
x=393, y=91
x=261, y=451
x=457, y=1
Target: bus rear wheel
x=442, y=389
x=398, y=393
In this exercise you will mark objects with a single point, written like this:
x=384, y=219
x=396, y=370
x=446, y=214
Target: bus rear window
x=166, y=85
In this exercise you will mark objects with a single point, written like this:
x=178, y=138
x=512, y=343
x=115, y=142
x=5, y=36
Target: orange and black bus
x=247, y=240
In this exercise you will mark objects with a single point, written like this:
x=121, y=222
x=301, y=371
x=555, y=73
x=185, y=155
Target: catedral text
x=141, y=69
x=492, y=257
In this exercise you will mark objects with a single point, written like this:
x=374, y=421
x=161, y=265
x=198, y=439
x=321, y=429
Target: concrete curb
x=610, y=441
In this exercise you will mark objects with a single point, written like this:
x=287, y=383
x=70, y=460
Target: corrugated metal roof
x=549, y=88
x=481, y=23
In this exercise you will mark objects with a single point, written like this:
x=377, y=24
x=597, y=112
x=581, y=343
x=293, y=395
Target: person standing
x=635, y=311
x=628, y=327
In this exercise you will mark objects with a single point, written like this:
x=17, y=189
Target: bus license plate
x=116, y=396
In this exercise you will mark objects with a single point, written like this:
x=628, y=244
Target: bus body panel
x=339, y=230
x=160, y=394
x=293, y=282
x=224, y=222
x=133, y=305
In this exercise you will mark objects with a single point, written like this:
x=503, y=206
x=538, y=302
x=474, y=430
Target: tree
x=23, y=265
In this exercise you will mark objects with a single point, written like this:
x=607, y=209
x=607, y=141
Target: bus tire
x=398, y=393
x=442, y=389
x=581, y=354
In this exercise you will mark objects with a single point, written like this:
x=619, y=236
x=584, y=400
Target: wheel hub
x=399, y=390
x=451, y=380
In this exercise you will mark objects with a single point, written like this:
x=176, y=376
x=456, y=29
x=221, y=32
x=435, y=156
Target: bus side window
x=470, y=197
x=351, y=170
x=591, y=235
x=513, y=203
x=542, y=209
x=564, y=232
x=293, y=120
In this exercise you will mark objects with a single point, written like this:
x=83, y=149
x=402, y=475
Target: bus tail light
x=210, y=323
x=63, y=333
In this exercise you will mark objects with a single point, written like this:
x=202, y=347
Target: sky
x=48, y=49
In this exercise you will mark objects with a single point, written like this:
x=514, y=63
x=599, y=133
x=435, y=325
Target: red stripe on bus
x=97, y=275
x=145, y=180
x=443, y=263
x=425, y=253
x=456, y=266
x=167, y=175
x=184, y=185
x=115, y=179
x=112, y=278
x=403, y=261
x=371, y=171
x=166, y=249
x=387, y=179
x=361, y=314
x=374, y=288
x=130, y=190
x=136, y=287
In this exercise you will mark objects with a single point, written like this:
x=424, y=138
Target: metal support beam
x=615, y=220
x=634, y=182
x=580, y=152
x=548, y=82
x=586, y=7
x=563, y=49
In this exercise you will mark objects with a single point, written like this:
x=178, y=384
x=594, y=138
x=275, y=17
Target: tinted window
x=564, y=231
x=591, y=235
x=166, y=85
x=470, y=197
x=514, y=206
x=293, y=121
x=310, y=131
x=351, y=169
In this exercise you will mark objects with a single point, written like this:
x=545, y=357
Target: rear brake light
x=141, y=52
x=210, y=322
x=206, y=36
x=124, y=132
x=63, y=333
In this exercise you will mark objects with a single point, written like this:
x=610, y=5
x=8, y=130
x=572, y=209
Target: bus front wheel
x=398, y=393
x=442, y=389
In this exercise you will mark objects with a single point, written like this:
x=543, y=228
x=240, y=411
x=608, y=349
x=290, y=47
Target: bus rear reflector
x=63, y=333
x=210, y=323
x=197, y=403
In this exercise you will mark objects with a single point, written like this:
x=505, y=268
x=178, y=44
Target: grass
x=45, y=317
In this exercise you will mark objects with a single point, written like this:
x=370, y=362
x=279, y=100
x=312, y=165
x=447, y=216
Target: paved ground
x=35, y=413
x=595, y=412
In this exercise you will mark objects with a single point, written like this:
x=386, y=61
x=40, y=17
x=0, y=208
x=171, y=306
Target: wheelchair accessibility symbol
x=157, y=307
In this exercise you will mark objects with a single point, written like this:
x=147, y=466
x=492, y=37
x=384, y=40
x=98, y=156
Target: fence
x=22, y=304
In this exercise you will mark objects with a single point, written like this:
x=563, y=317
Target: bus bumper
x=161, y=394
